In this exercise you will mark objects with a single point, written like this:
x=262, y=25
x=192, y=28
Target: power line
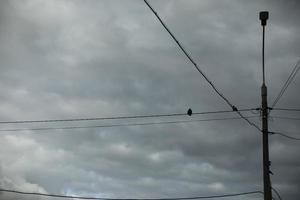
x=277, y=193
x=99, y=198
x=117, y=117
x=287, y=83
x=188, y=55
x=284, y=135
x=248, y=121
x=234, y=108
x=119, y=125
x=289, y=118
x=287, y=109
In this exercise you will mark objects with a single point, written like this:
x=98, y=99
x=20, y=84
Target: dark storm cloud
x=62, y=59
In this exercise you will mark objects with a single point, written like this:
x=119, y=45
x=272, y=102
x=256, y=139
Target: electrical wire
x=188, y=55
x=289, y=118
x=234, y=108
x=277, y=193
x=119, y=125
x=248, y=121
x=287, y=83
x=99, y=198
x=284, y=135
x=117, y=117
x=287, y=109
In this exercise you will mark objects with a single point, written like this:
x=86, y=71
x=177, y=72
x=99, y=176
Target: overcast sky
x=99, y=58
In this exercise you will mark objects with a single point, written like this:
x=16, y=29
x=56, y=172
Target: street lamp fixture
x=263, y=16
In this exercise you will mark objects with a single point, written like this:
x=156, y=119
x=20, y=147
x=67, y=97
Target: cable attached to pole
x=283, y=135
x=119, y=125
x=99, y=198
x=120, y=117
x=234, y=108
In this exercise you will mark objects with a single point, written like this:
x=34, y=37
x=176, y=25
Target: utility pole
x=263, y=16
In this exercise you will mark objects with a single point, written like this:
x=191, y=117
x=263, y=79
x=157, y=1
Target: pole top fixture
x=264, y=16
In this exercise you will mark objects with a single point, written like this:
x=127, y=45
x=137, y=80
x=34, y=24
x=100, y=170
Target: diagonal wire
x=102, y=198
x=277, y=193
x=188, y=55
x=119, y=125
x=287, y=83
x=234, y=108
x=284, y=135
x=247, y=120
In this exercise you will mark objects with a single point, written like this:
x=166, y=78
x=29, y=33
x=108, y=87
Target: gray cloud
x=64, y=59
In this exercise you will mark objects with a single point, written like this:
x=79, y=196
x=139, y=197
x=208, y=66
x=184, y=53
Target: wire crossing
x=99, y=198
x=234, y=108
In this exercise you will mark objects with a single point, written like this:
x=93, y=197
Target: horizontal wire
x=117, y=117
x=120, y=125
x=99, y=198
x=280, y=117
x=287, y=109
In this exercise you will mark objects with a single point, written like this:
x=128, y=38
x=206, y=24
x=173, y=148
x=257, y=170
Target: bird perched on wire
x=189, y=112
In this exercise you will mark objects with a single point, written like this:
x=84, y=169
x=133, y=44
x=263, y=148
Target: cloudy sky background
x=100, y=58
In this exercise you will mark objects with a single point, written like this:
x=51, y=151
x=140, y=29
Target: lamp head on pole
x=263, y=16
